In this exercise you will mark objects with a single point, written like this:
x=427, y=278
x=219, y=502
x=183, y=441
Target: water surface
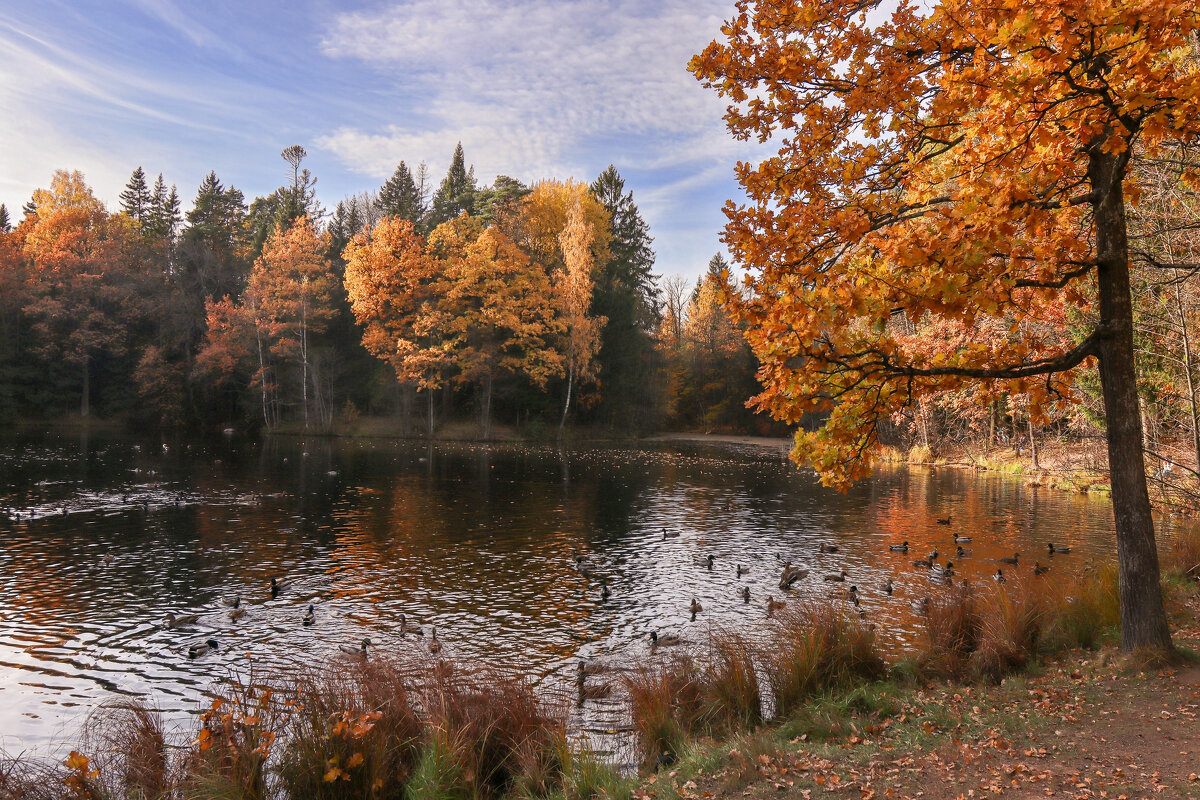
x=104, y=535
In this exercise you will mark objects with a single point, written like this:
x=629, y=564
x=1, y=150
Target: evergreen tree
x=298, y=198
x=5, y=222
x=30, y=207
x=401, y=197
x=457, y=192
x=499, y=202
x=626, y=293
x=136, y=199
x=208, y=251
x=161, y=217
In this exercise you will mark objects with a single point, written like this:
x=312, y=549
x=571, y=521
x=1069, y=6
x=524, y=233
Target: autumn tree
x=397, y=292
x=500, y=313
x=293, y=289
x=573, y=295
x=964, y=159
x=80, y=282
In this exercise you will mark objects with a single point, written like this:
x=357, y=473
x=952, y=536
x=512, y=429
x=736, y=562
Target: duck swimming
x=1010, y=560
x=745, y=594
x=790, y=575
x=887, y=587
x=695, y=607
x=197, y=650
x=361, y=650
x=899, y=548
x=278, y=586
x=828, y=548
x=310, y=616
x=435, y=646
x=774, y=605
x=838, y=578
x=665, y=640
x=237, y=612
x=179, y=622
x=1054, y=549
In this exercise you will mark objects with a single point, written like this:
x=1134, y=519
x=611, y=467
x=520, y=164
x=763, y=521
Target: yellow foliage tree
x=573, y=295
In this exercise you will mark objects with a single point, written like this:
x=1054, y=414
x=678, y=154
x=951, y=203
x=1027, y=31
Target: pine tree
x=161, y=217
x=5, y=223
x=136, y=199
x=457, y=192
x=400, y=196
x=626, y=293
x=208, y=249
x=29, y=208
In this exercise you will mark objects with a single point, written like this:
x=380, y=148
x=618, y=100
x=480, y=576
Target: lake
x=104, y=535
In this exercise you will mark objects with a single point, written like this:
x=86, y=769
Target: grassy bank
x=820, y=701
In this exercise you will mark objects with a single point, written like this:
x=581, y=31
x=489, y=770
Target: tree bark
x=1187, y=371
x=566, y=405
x=85, y=397
x=1143, y=616
x=487, y=408
x=1032, y=443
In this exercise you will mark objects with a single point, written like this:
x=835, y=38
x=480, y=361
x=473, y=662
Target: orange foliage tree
x=292, y=289
x=499, y=310
x=965, y=159
x=573, y=296
x=394, y=287
x=81, y=282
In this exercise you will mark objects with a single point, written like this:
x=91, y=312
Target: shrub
x=816, y=647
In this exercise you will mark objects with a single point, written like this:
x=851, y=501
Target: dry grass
x=666, y=703
x=487, y=734
x=731, y=697
x=816, y=647
x=353, y=733
x=1181, y=557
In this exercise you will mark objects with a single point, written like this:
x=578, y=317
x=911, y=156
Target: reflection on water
x=100, y=538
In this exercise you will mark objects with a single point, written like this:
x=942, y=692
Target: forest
x=530, y=306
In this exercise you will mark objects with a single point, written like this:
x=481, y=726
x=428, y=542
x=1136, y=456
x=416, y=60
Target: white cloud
x=531, y=87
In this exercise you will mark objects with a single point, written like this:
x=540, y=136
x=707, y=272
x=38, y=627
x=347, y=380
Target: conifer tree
x=5, y=222
x=136, y=199
x=457, y=192
x=401, y=197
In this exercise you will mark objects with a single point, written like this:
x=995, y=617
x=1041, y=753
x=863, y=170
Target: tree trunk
x=1143, y=617
x=84, y=399
x=487, y=408
x=1187, y=371
x=429, y=394
x=566, y=405
x=304, y=363
x=1032, y=443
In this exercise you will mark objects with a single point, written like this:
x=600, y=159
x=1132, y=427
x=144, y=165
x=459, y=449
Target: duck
x=745, y=594
x=604, y=592
x=237, y=612
x=310, y=616
x=202, y=648
x=695, y=607
x=933, y=554
x=899, y=548
x=852, y=590
x=1053, y=549
x=435, y=646
x=179, y=622
x=707, y=562
x=838, y=578
x=404, y=627
x=921, y=606
x=888, y=588
x=944, y=520
x=278, y=586
x=774, y=605
x=923, y=562
x=962, y=539
x=999, y=576
x=664, y=640
x=790, y=575
x=828, y=548
x=742, y=570
x=1038, y=569
x=960, y=551
x=361, y=650
x=669, y=534
x=947, y=570
x=1013, y=559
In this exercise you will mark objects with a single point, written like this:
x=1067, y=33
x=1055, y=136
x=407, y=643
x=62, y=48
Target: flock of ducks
x=238, y=611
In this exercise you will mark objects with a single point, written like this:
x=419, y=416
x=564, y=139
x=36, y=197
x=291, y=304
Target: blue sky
x=533, y=89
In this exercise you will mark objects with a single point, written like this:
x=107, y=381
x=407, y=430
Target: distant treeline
x=524, y=306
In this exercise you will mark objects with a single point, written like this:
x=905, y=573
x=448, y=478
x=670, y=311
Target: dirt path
x=1086, y=727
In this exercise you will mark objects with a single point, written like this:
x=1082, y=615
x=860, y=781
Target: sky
x=532, y=88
